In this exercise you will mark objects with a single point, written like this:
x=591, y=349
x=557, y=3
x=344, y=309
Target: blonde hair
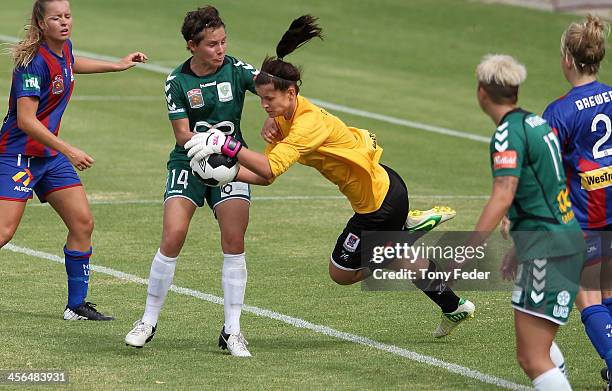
x=585, y=44
x=501, y=75
x=24, y=51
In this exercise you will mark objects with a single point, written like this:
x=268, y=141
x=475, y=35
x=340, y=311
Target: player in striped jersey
x=346, y=156
x=582, y=120
x=32, y=156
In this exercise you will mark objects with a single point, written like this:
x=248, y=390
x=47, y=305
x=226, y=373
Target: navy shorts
x=391, y=216
x=21, y=176
x=599, y=245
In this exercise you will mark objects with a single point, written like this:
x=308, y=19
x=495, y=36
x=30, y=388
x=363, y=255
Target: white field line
x=122, y=98
x=300, y=323
x=328, y=105
x=280, y=198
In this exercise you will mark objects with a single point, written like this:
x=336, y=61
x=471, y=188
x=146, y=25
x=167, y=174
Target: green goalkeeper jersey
x=543, y=223
x=211, y=99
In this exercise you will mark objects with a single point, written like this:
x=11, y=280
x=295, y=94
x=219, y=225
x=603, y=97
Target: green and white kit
x=207, y=101
x=549, y=244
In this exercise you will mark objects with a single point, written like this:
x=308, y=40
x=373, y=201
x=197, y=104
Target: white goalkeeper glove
x=204, y=144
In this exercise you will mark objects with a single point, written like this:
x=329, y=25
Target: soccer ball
x=215, y=170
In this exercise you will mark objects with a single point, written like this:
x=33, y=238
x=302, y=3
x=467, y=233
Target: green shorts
x=181, y=182
x=547, y=288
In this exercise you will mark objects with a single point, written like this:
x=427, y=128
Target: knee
x=232, y=243
x=525, y=361
x=6, y=234
x=82, y=226
x=531, y=363
x=340, y=277
x=172, y=241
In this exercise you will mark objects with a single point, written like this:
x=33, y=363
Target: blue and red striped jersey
x=582, y=121
x=49, y=78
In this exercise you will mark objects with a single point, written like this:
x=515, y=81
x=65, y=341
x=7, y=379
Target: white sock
x=552, y=380
x=160, y=279
x=557, y=358
x=233, y=281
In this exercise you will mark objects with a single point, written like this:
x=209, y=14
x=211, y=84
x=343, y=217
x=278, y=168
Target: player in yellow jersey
x=346, y=156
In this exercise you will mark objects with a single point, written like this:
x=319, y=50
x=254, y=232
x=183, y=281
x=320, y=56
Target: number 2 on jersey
x=597, y=154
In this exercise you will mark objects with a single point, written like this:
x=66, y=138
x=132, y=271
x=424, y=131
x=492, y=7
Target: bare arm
x=248, y=176
x=504, y=189
x=256, y=163
x=84, y=65
x=29, y=124
x=182, y=133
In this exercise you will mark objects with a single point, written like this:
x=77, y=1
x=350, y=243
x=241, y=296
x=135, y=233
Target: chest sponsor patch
x=224, y=90
x=505, y=159
x=196, y=100
x=596, y=179
x=58, y=85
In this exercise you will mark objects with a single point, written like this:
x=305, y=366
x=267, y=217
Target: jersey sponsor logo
x=505, y=159
x=210, y=84
x=596, y=179
x=30, y=82
x=24, y=177
x=351, y=242
x=535, y=121
x=224, y=90
x=196, y=100
x=593, y=100
x=57, y=87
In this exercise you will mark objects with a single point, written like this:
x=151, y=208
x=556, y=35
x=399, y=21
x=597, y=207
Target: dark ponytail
x=302, y=30
x=283, y=74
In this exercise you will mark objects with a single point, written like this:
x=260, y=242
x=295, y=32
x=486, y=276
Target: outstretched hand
x=132, y=59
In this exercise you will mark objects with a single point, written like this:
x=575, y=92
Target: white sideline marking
x=278, y=198
x=300, y=323
x=120, y=98
x=328, y=105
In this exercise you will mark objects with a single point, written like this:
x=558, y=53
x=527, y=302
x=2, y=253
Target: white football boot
x=451, y=320
x=236, y=344
x=140, y=334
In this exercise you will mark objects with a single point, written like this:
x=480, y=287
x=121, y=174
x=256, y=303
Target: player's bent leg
x=10, y=216
x=594, y=313
x=534, y=337
x=455, y=310
x=233, y=217
x=72, y=206
x=343, y=276
x=178, y=212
